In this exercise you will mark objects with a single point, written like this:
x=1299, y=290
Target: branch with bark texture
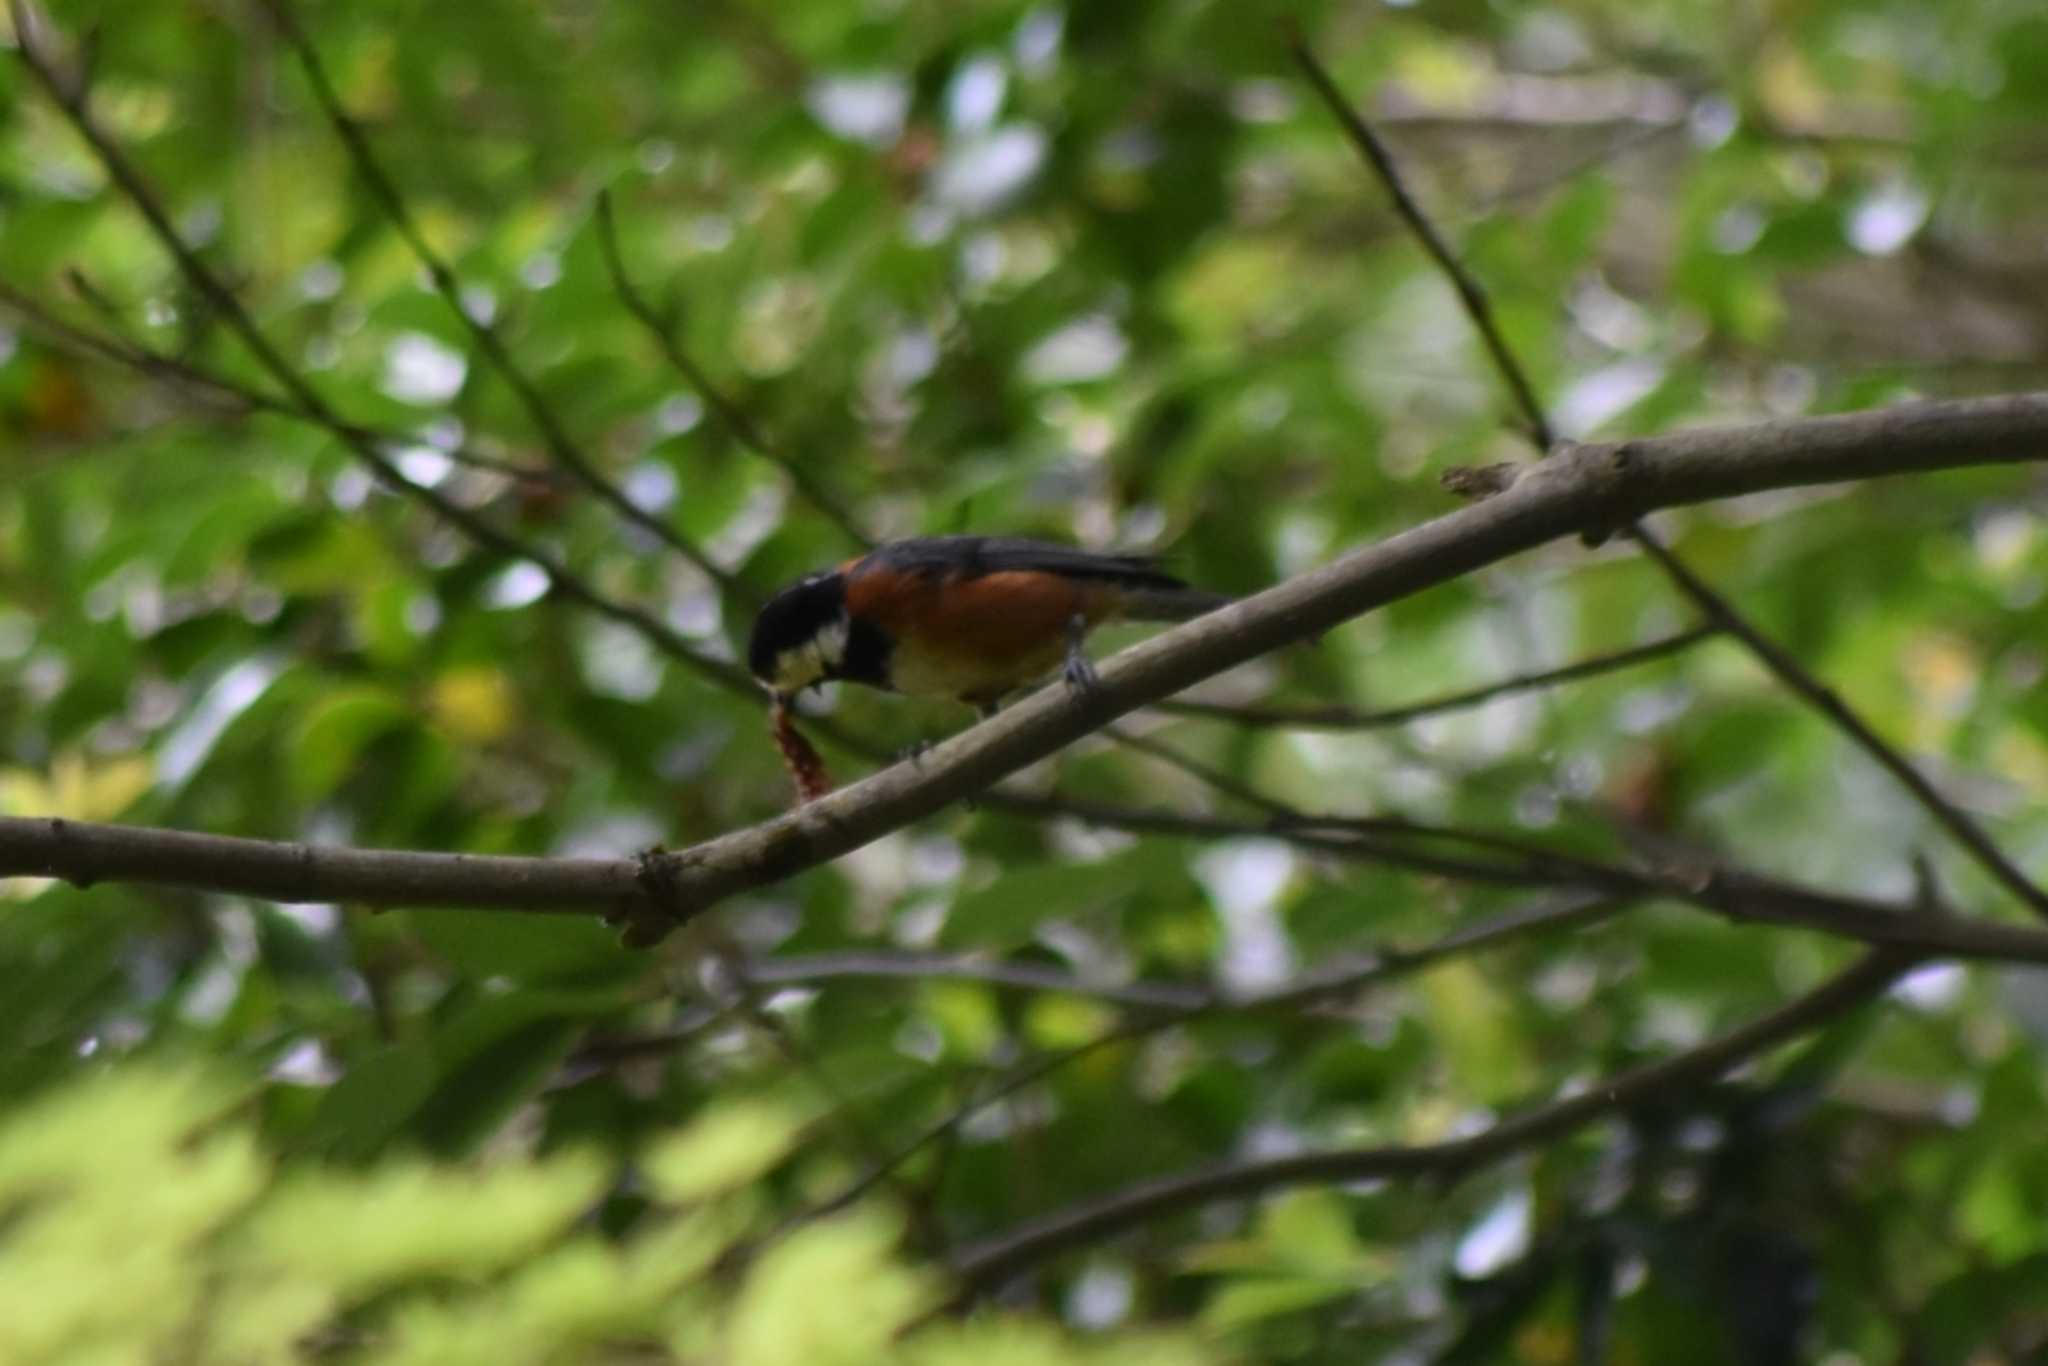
x=1583, y=486
x=1716, y=608
x=1587, y=486
x=85, y=853
x=986, y=1265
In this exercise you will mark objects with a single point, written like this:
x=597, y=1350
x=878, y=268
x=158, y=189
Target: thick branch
x=988, y=1264
x=1718, y=609
x=1595, y=485
x=82, y=853
x=1588, y=485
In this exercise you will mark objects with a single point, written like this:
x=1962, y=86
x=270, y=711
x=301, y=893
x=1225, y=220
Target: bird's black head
x=800, y=635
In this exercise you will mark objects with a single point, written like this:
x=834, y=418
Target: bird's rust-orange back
x=971, y=635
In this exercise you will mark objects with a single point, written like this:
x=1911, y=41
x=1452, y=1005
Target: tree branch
x=1717, y=608
x=184, y=376
x=1470, y=292
x=1359, y=973
x=1351, y=718
x=561, y=448
x=727, y=411
x=1533, y=864
x=1696, y=879
x=987, y=1264
x=1583, y=486
x=83, y=853
x=1825, y=700
x=70, y=96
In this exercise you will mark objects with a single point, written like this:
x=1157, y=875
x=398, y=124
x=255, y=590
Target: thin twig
x=239, y=399
x=71, y=97
x=1519, y=872
x=987, y=1264
x=1794, y=676
x=1470, y=293
x=561, y=448
x=1534, y=863
x=879, y=964
x=1789, y=671
x=1351, y=718
x=1694, y=878
x=1203, y=773
x=1365, y=971
x=1572, y=168
x=843, y=1114
x=736, y=419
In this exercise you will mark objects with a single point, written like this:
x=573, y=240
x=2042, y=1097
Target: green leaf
x=732, y=1146
x=336, y=730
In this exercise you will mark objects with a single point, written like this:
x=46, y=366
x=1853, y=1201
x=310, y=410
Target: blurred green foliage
x=1105, y=272
x=141, y=1220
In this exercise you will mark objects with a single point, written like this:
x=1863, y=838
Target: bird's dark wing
x=973, y=556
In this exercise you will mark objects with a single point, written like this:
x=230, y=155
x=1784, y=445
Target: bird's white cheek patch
x=813, y=660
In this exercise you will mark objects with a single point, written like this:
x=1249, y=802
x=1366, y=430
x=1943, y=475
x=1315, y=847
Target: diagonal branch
x=1590, y=485
x=1789, y=671
x=1470, y=292
x=185, y=376
x=1825, y=700
x=71, y=97
x=728, y=412
x=1587, y=485
x=1351, y=718
x=988, y=1264
x=1391, y=838
x=1694, y=878
x=1361, y=973
x=561, y=448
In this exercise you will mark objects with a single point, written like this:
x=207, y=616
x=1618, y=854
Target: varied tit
x=968, y=617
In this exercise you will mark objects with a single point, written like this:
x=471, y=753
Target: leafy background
x=1107, y=273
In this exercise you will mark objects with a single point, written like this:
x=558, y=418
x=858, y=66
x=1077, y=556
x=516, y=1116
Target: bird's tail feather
x=1168, y=604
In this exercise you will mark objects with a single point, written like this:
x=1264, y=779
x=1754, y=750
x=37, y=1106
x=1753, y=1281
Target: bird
x=971, y=618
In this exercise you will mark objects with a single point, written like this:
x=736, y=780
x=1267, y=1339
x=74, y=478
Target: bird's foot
x=1079, y=671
